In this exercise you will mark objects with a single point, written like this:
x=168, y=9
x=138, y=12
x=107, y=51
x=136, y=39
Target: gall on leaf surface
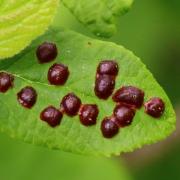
x=21, y=21
x=82, y=55
x=98, y=15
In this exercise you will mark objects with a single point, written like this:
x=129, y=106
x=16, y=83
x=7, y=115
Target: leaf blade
x=82, y=55
x=99, y=15
x=21, y=22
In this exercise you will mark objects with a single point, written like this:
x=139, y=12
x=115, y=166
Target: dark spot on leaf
x=27, y=97
x=58, y=74
x=46, y=52
x=155, y=107
x=109, y=127
x=124, y=115
x=6, y=81
x=52, y=116
x=70, y=104
x=88, y=114
x=129, y=95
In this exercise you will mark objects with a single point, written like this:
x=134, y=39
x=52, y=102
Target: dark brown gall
x=58, y=74
x=46, y=52
x=88, y=114
x=70, y=104
x=27, y=97
x=52, y=116
x=124, y=115
x=109, y=128
x=155, y=107
x=129, y=95
x=108, y=67
x=6, y=81
x=104, y=86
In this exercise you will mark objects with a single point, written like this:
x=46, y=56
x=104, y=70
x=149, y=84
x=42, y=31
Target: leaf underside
x=82, y=55
x=22, y=21
x=99, y=15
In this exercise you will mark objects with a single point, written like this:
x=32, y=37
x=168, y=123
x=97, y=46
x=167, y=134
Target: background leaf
x=22, y=160
x=82, y=55
x=99, y=15
x=22, y=21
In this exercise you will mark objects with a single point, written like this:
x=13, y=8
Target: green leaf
x=82, y=55
x=21, y=21
x=98, y=15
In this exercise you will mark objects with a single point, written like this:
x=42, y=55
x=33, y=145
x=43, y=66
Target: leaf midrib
x=48, y=85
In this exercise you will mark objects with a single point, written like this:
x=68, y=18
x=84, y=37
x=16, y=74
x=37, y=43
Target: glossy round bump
x=88, y=114
x=124, y=115
x=108, y=67
x=70, y=104
x=52, y=116
x=104, y=86
x=129, y=95
x=27, y=97
x=109, y=128
x=6, y=81
x=155, y=107
x=46, y=52
x=58, y=74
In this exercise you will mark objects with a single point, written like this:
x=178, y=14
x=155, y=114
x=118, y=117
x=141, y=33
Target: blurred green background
x=152, y=31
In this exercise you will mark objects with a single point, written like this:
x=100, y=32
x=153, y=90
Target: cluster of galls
x=71, y=106
x=105, y=79
x=57, y=75
x=127, y=98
